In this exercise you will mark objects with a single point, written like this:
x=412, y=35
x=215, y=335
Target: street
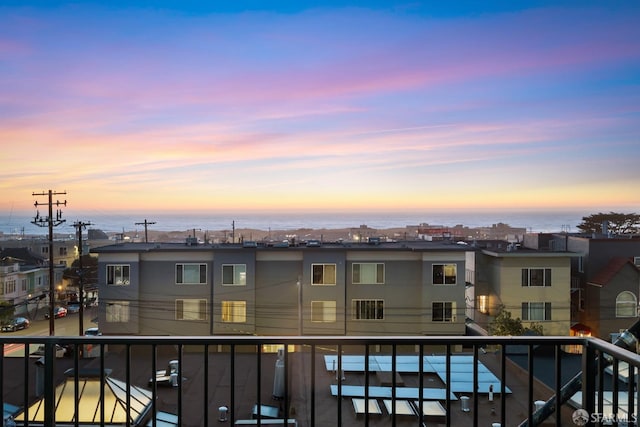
x=65, y=326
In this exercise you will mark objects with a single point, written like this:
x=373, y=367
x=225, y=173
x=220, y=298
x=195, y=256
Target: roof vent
x=192, y=241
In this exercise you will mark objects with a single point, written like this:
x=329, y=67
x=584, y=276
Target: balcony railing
x=316, y=381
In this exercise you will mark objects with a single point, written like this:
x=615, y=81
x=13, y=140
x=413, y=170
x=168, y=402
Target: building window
x=117, y=312
x=367, y=309
x=323, y=274
x=580, y=264
x=626, y=304
x=536, y=277
x=44, y=249
x=63, y=251
x=234, y=274
x=368, y=273
x=10, y=287
x=536, y=311
x=323, y=311
x=191, y=274
x=118, y=275
x=443, y=311
x=444, y=274
x=234, y=311
x=636, y=261
x=483, y=304
x=191, y=309
x=23, y=284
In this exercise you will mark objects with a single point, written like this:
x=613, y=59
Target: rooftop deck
x=319, y=381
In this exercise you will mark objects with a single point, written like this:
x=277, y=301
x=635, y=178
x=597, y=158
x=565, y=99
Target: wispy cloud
x=333, y=102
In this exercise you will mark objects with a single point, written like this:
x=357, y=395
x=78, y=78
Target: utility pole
x=50, y=222
x=79, y=225
x=145, y=223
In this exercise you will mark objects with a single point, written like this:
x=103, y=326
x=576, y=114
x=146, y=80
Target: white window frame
x=117, y=312
x=323, y=311
x=452, y=308
x=233, y=311
x=367, y=309
x=528, y=271
x=191, y=309
x=326, y=281
x=118, y=279
x=378, y=272
x=630, y=306
x=546, y=309
x=238, y=274
x=181, y=266
x=444, y=275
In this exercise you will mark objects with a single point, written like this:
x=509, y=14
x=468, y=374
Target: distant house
x=612, y=298
x=595, y=255
x=24, y=277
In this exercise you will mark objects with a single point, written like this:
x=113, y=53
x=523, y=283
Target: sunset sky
x=320, y=106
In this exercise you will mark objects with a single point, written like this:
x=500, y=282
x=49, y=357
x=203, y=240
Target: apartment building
x=375, y=288
x=603, y=282
x=24, y=278
x=65, y=251
x=530, y=282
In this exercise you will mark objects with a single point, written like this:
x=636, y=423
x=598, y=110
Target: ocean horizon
x=532, y=221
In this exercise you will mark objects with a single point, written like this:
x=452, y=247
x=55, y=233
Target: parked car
x=73, y=308
x=57, y=312
x=16, y=324
x=93, y=332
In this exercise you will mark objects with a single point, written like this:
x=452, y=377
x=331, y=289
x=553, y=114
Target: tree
x=617, y=223
x=7, y=311
x=89, y=271
x=503, y=324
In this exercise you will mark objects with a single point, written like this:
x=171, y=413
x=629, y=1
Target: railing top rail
x=614, y=350
x=317, y=340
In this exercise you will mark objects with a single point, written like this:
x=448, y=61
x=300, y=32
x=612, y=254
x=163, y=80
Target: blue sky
x=321, y=106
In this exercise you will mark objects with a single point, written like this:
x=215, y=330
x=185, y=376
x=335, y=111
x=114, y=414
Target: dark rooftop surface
x=302, y=385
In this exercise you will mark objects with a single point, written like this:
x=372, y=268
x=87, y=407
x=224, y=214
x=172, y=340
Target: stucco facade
x=329, y=289
x=532, y=285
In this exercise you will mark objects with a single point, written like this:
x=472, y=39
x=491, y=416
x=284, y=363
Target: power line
x=49, y=221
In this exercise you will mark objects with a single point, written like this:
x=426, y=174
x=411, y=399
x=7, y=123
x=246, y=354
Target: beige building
x=533, y=285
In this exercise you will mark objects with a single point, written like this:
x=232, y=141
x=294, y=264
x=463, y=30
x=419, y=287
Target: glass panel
x=240, y=276
x=356, y=273
x=191, y=273
x=536, y=311
x=203, y=273
x=438, y=312
x=330, y=274
x=227, y=275
x=380, y=273
x=536, y=277
x=317, y=272
x=547, y=277
x=438, y=275
x=450, y=274
x=179, y=273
